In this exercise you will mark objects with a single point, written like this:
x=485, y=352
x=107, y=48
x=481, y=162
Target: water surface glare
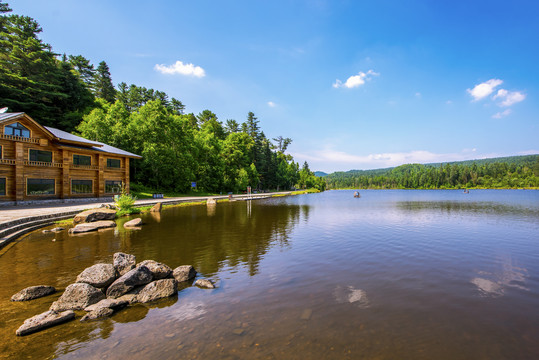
x=395, y=274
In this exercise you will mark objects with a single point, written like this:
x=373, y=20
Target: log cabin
x=40, y=163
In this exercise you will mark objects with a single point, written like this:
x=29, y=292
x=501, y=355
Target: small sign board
x=193, y=184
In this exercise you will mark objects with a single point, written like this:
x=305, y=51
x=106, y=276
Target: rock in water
x=98, y=313
x=211, y=201
x=133, y=223
x=157, y=208
x=138, y=276
x=184, y=273
x=43, y=321
x=76, y=297
x=113, y=304
x=94, y=226
x=205, y=283
x=123, y=262
x=159, y=270
x=157, y=290
x=94, y=215
x=98, y=275
x=33, y=292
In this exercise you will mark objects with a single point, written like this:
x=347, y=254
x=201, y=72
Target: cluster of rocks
x=103, y=289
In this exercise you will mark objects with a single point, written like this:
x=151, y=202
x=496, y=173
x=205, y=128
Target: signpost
x=194, y=184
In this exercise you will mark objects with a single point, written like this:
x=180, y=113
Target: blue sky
x=355, y=84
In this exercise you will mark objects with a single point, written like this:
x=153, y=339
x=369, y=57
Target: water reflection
x=236, y=235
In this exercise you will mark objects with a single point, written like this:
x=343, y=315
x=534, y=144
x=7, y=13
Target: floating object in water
x=356, y=194
x=466, y=191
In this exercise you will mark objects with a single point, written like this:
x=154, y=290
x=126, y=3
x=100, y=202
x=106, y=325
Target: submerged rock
x=57, y=229
x=157, y=290
x=205, y=283
x=33, y=292
x=133, y=223
x=138, y=276
x=98, y=275
x=93, y=215
x=159, y=270
x=184, y=273
x=94, y=226
x=123, y=262
x=43, y=321
x=76, y=297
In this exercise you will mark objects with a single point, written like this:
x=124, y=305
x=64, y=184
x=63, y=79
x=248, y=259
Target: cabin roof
x=7, y=116
x=65, y=136
x=103, y=148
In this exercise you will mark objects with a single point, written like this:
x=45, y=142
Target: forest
x=496, y=173
x=70, y=93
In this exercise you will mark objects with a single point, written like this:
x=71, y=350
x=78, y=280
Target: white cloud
x=509, y=97
x=355, y=80
x=483, y=90
x=180, y=68
x=418, y=95
x=501, y=114
x=271, y=104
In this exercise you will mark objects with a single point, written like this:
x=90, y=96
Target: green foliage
x=511, y=172
x=33, y=80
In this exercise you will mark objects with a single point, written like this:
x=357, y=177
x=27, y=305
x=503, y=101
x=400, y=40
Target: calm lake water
x=392, y=275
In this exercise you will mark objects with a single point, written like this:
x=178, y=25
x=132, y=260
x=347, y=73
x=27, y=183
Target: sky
x=355, y=84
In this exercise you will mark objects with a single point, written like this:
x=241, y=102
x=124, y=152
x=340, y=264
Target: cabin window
x=82, y=160
x=2, y=186
x=40, y=155
x=40, y=187
x=113, y=187
x=1, y=153
x=81, y=187
x=16, y=129
x=113, y=163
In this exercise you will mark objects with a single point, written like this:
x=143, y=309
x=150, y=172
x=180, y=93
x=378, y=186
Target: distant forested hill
x=502, y=172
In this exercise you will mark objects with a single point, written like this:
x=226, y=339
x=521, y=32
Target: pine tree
x=103, y=83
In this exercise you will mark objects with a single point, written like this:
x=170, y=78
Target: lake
x=395, y=274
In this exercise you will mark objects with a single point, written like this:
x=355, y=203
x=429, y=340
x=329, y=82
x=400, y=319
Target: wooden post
x=126, y=175
x=19, y=171
x=101, y=176
x=65, y=175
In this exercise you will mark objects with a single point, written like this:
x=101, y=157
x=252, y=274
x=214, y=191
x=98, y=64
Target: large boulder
x=33, y=292
x=93, y=215
x=211, y=201
x=133, y=223
x=135, y=277
x=157, y=208
x=76, y=297
x=159, y=270
x=123, y=262
x=98, y=275
x=184, y=273
x=157, y=290
x=93, y=226
x=44, y=320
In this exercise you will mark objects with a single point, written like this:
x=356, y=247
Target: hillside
x=501, y=172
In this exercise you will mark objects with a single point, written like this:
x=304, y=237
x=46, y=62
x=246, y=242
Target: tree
x=84, y=69
x=103, y=83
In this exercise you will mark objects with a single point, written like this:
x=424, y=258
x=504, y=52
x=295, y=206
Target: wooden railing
x=43, y=163
x=7, y=161
x=85, y=167
x=19, y=138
